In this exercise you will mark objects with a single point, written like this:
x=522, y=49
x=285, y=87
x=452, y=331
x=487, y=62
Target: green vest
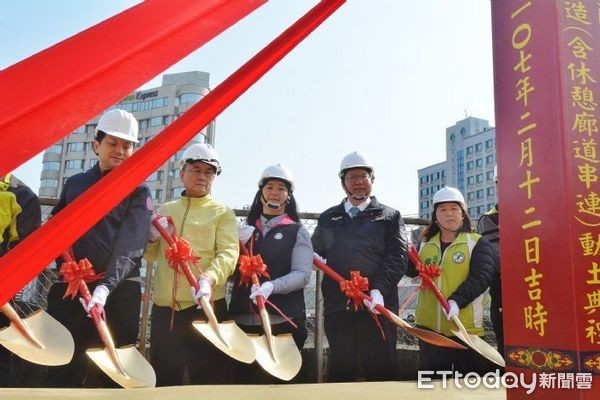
x=455, y=270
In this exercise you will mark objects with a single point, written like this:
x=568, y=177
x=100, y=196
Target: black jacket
x=373, y=243
x=116, y=243
x=488, y=227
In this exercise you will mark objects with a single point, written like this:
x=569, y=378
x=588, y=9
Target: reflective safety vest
x=9, y=210
x=455, y=265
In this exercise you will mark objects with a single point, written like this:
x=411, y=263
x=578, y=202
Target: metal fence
x=33, y=297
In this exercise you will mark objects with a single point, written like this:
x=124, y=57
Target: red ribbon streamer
x=353, y=288
x=75, y=272
x=250, y=265
x=40, y=248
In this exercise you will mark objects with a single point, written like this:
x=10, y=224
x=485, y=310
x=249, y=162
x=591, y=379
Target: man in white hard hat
x=361, y=234
x=114, y=246
x=211, y=230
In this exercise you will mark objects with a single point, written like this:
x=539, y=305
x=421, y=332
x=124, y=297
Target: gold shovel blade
x=477, y=343
x=138, y=371
x=428, y=336
x=235, y=343
x=56, y=339
x=287, y=361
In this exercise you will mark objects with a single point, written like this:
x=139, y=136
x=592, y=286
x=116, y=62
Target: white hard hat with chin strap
x=449, y=194
x=352, y=161
x=281, y=173
x=120, y=124
x=202, y=152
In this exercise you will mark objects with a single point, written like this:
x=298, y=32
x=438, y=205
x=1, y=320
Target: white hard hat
x=119, y=123
x=202, y=152
x=449, y=194
x=278, y=171
x=355, y=160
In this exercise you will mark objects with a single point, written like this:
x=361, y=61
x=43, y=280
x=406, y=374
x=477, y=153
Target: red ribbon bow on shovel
x=354, y=288
x=76, y=272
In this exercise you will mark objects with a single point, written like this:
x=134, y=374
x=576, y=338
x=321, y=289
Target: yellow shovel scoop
x=278, y=355
x=226, y=336
x=125, y=365
x=39, y=338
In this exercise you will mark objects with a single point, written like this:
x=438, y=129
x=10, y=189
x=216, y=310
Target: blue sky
x=383, y=77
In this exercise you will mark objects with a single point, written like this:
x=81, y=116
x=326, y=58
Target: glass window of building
x=156, y=193
x=74, y=164
x=176, y=192
x=156, y=121
x=189, y=98
x=469, y=150
x=90, y=128
x=489, y=144
x=49, y=183
x=470, y=165
x=74, y=147
x=479, y=178
x=480, y=194
x=489, y=176
x=55, y=148
x=424, y=205
x=471, y=180
x=478, y=147
x=491, y=192
x=92, y=162
x=471, y=196
x=489, y=160
x=51, y=166
x=479, y=162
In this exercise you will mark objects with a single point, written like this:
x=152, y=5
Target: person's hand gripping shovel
x=39, y=338
x=428, y=336
x=473, y=341
x=124, y=365
x=276, y=354
x=226, y=335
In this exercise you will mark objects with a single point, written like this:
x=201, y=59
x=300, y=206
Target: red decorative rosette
x=354, y=287
x=75, y=272
x=181, y=254
x=250, y=265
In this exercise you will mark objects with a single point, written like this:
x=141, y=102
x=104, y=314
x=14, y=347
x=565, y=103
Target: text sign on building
x=546, y=69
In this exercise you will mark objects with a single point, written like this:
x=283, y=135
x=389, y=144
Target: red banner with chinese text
x=545, y=70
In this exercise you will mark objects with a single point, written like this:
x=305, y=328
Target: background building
x=154, y=109
x=469, y=166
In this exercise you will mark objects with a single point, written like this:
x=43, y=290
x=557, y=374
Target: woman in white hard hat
x=210, y=227
x=467, y=265
x=114, y=246
x=273, y=230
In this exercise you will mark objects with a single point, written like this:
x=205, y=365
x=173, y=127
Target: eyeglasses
x=356, y=178
x=207, y=173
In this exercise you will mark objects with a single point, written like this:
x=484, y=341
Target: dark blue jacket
x=116, y=243
x=374, y=243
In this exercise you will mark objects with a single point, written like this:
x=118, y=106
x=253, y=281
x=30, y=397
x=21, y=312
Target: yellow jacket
x=211, y=229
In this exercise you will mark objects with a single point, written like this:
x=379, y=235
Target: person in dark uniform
x=273, y=230
x=364, y=235
x=20, y=215
x=114, y=247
